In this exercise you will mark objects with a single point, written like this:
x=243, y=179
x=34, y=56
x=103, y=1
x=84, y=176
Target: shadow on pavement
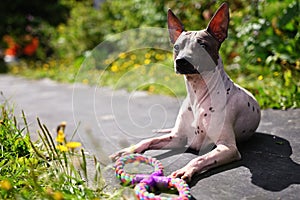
x=266, y=156
x=268, y=159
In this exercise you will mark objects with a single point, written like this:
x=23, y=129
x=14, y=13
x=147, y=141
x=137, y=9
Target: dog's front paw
x=184, y=173
x=121, y=153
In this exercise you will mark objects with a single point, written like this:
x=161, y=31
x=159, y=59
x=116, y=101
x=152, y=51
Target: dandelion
x=73, y=145
x=5, y=185
x=60, y=133
x=133, y=57
x=260, y=77
x=58, y=196
x=114, y=68
x=147, y=61
x=151, y=88
x=122, y=55
x=62, y=148
x=147, y=55
x=159, y=56
x=60, y=138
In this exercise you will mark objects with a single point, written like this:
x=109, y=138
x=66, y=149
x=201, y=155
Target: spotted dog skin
x=216, y=112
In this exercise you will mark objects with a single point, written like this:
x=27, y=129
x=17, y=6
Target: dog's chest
x=208, y=95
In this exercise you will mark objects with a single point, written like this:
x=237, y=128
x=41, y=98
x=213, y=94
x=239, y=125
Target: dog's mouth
x=182, y=66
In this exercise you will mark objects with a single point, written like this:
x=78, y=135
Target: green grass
x=41, y=170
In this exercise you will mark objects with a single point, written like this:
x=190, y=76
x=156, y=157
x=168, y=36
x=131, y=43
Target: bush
x=80, y=33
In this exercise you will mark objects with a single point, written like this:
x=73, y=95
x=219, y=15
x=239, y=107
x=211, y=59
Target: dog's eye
x=201, y=43
x=176, y=47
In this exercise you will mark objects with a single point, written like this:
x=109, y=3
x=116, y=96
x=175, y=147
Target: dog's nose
x=184, y=67
x=182, y=63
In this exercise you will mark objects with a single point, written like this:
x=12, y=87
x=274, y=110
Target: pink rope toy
x=144, y=182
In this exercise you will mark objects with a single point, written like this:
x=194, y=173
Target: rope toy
x=144, y=182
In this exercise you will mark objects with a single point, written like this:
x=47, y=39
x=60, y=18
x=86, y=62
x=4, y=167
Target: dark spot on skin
x=228, y=90
x=205, y=114
x=239, y=88
x=195, y=132
x=253, y=108
x=171, y=137
x=218, y=150
x=211, y=109
x=218, y=92
x=202, y=131
x=215, y=162
x=198, y=131
x=228, y=78
x=248, y=104
x=244, y=131
x=197, y=127
x=189, y=108
x=195, y=91
x=257, y=111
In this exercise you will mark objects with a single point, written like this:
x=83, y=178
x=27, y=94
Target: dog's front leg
x=167, y=141
x=225, y=152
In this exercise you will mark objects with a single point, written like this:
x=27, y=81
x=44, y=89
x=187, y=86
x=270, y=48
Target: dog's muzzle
x=184, y=67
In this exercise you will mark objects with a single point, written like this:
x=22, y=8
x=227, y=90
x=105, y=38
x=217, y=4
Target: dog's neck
x=215, y=82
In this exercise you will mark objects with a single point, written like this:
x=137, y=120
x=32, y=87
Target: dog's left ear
x=218, y=25
x=175, y=26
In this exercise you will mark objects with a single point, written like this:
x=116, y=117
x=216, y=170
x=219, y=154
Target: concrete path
x=110, y=120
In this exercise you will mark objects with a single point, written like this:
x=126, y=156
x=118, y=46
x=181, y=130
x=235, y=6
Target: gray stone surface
x=110, y=120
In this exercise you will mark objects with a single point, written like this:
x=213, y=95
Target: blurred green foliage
x=261, y=52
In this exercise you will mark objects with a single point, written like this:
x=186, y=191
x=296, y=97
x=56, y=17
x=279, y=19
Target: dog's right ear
x=175, y=26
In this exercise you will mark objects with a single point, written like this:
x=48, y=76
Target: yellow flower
x=114, y=68
x=159, y=56
x=62, y=148
x=147, y=61
x=260, y=77
x=5, y=185
x=122, y=55
x=151, y=88
x=60, y=138
x=133, y=57
x=58, y=196
x=60, y=132
x=73, y=145
x=147, y=55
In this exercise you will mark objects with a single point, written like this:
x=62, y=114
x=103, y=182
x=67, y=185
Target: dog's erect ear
x=175, y=26
x=218, y=25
